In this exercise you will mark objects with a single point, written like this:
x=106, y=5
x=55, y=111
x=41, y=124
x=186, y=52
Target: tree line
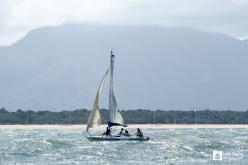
x=140, y=116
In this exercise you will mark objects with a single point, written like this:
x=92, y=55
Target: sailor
x=126, y=133
x=121, y=132
x=139, y=133
x=108, y=131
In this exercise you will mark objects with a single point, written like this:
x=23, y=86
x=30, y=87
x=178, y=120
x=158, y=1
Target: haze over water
x=168, y=146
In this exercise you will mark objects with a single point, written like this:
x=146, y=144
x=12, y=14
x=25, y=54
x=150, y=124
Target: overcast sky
x=17, y=17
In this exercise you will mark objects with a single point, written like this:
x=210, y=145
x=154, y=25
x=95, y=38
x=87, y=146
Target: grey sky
x=17, y=17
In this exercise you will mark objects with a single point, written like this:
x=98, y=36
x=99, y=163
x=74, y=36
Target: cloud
x=17, y=17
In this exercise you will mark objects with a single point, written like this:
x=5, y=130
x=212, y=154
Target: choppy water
x=168, y=146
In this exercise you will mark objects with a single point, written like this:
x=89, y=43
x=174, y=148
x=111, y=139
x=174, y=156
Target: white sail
x=95, y=118
x=115, y=115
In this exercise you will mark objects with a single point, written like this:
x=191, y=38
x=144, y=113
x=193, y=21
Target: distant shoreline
x=139, y=116
x=152, y=126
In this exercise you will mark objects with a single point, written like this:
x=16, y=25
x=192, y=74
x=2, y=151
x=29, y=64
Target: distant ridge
x=156, y=68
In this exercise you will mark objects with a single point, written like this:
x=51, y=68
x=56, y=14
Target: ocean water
x=168, y=146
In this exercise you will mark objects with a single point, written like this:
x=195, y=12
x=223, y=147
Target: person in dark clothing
x=126, y=133
x=108, y=131
x=139, y=133
x=121, y=132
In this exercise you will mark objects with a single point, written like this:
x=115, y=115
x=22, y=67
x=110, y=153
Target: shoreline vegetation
x=131, y=126
x=141, y=117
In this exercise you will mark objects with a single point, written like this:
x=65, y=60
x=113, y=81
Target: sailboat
x=115, y=117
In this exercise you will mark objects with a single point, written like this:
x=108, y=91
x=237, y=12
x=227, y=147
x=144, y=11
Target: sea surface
x=168, y=146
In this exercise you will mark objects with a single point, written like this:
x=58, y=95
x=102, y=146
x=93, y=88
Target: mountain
x=60, y=67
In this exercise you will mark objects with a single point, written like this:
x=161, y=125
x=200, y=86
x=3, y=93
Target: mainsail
x=115, y=115
x=95, y=118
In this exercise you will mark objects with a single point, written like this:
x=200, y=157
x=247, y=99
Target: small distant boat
x=115, y=117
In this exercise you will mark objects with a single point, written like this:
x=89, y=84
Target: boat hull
x=117, y=138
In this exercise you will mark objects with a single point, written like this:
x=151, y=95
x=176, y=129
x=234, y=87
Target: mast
x=114, y=113
x=111, y=91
